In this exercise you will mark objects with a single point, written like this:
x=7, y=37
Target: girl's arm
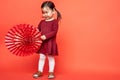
x=53, y=32
x=39, y=26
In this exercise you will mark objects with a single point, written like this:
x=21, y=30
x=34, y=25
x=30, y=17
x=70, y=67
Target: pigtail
x=59, y=17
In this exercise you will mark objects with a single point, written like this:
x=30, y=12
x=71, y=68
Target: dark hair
x=51, y=5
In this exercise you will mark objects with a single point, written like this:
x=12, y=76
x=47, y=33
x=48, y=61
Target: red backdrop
x=88, y=37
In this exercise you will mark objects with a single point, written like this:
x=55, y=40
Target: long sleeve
x=39, y=26
x=53, y=32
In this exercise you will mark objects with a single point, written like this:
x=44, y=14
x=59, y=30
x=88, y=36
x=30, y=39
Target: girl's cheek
x=48, y=14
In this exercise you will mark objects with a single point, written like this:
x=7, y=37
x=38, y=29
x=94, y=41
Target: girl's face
x=47, y=13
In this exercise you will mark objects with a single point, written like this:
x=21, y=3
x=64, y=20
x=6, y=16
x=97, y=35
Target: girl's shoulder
x=55, y=21
x=52, y=21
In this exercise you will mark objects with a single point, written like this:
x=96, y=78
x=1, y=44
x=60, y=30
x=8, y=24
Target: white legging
x=42, y=62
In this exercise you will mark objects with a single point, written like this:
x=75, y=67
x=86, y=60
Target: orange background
x=88, y=37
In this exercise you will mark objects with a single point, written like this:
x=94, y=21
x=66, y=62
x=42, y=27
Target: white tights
x=42, y=62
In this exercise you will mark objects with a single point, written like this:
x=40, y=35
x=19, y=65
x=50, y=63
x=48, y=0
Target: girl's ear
x=53, y=11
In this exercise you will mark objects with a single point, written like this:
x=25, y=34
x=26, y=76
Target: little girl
x=48, y=28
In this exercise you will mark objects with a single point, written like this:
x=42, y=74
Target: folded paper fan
x=23, y=40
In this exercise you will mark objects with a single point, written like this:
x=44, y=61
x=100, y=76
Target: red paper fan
x=23, y=40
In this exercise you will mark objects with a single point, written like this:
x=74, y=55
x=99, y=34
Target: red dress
x=49, y=29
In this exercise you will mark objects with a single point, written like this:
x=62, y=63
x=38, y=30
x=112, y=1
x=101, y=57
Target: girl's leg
x=40, y=66
x=51, y=66
x=41, y=62
x=51, y=63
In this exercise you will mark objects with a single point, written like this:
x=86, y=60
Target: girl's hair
x=51, y=5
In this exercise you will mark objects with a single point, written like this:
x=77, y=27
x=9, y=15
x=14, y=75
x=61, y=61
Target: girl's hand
x=43, y=37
